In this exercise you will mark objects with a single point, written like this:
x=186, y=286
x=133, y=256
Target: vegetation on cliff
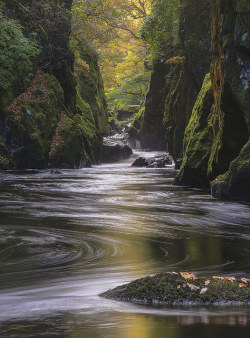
x=52, y=112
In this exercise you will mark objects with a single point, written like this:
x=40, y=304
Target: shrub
x=16, y=52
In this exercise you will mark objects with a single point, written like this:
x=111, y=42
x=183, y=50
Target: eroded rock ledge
x=184, y=289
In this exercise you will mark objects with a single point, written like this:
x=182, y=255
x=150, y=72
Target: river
x=67, y=237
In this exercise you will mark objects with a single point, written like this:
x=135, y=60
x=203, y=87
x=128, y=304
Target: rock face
x=197, y=107
x=224, y=131
x=176, y=80
x=235, y=184
x=57, y=117
x=183, y=289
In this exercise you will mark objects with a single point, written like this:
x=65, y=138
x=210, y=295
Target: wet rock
x=114, y=151
x=152, y=162
x=142, y=162
x=183, y=289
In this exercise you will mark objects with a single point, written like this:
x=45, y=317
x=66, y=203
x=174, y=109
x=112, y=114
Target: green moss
x=197, y=140
x=90, y=83
x=81, y=144
x=32, y=130
x=83, y=107
x=137, y=123
x=235, y=184
x=172, y=288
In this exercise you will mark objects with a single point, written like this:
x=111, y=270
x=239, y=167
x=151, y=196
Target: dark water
x=66, y=238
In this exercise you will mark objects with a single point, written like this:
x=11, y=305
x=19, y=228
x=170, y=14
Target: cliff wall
x=46, y=116
x=198, y=106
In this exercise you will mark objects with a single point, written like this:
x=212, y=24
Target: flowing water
x=65, y=238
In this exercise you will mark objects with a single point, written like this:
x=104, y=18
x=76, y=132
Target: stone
x=183, y=289
x=115, y=151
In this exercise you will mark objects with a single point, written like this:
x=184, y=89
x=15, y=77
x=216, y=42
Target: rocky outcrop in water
x=114, y=151
x=159, y=161
x=54, y=114
x=183, y=289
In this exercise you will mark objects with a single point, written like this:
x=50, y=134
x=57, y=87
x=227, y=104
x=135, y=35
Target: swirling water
x=66, y=238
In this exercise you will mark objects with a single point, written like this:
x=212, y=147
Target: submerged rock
x=183, y=289
x=114, y=151
x=152, y=162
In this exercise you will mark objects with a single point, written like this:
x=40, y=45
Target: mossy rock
x=183, y=289
x=213, y=138
x=90, y=85
x=77, y=143
x=33, y=127
x=235, y=184
x=137, y=123
x=198, y=141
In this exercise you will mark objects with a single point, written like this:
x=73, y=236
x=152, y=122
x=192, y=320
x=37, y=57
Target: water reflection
x=66, y=238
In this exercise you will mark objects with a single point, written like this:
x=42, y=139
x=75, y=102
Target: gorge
x=81, y=83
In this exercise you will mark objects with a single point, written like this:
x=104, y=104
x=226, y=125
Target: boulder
x=184, y=288
x=152, y=162
x=114, y=151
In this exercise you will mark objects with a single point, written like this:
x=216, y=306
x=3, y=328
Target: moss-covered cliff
x=227, y=124
x=177, y=78
x=203, y=120
x=53, y=112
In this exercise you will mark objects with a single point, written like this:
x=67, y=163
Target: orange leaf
x=188, y=275
x=231, y=279
x=207, y=282
x=218, y=277
x=241, y=285
x=245, y=280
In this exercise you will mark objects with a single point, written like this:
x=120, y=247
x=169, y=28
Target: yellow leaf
x=188, y=275
x=241, y=285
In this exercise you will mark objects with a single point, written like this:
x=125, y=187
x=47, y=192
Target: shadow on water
x=67, y=237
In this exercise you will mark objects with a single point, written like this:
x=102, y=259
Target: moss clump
x=184, y=288
x=235, y=184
